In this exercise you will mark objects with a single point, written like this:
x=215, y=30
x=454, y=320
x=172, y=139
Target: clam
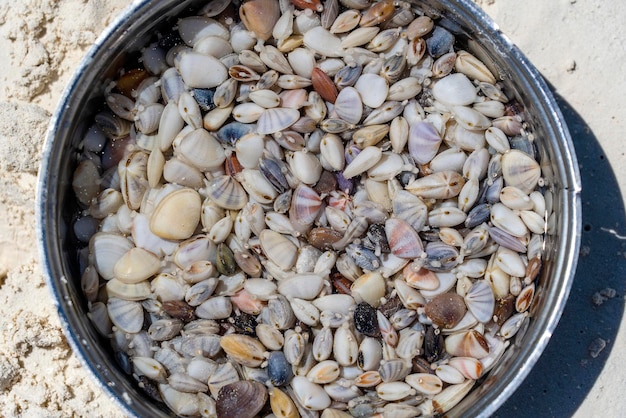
x=446, y=310
x=276, y=119
x=440, y=185
x=125, y=314
x=404, y=241
x=310, y=395
x=260, y=16
x=242, y=399
x=136, y=265
x=467, y=344
x=227, y=193
x=520, y=170
x=177, y=215
x=243, y=349
x=108, y=249
x=278, y=249
x=454, y=90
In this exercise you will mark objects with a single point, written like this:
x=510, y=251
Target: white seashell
x=411, y=209
x=128, y=291
x=370, y=288
x=445, y=216
x=284, y=26
x=471, y=368
x=490, y=108
x=440, y=185
x=214, y=46
x=278, y=249
x=215, y=118
x=399, y=134
x=177, y=215
x=394, y=391
x=425, y=383
x=359, y=36
x=525, y=298
x=451, y=395
x=305, y=311
x=534, y=221
x=405, y=89
x=510, y=262
x=265, y=98
x=302, y=61
x=310, y=395
x=470, y=119
x=507, y=220
x=305, y=166
x=454, y=90
x=176, y=171
x=217, y=307
x=136, y=265
x=107, y=250
x=449, y=374
x=249, y=149
x=370, y=354
x=366, y=159
x=257, y=186
x=303, y=286
x=348, y=105
x=275, y=59
x=326, y=371
x=467, y=344
x=346, y=21
x=420, y=278
x=194, y=28
x=151, y=368
x=373, y=90
x=201, y=71
x=332, y=150
x=451, y=159
x=345, y=346
x=515, y=199
x=247, y=112
x=323, y=42
x=125, y=314
x=520, y=170
x=227, y=193
x=276, y=119
x=410, y=297
x=388, y=167
x=480, y=301
x=336, y=302
x=472, y=67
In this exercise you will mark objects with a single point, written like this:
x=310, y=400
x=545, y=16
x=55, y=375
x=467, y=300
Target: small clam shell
x=310, y=395
x=373, y=90
x=472, y=67
x=303, y=286
x=125, y=314
x=424, y=141
x=346, y=21
x=348, y=105
x=404, y=241
x=275, y=60
x=366, y=159
x=305, y=166
x=446, y=310
x=454, y=90
x=260, y=16
x=278, y=249
x=177, y=215
x=480, y=301
x=411, y=209
x=302, y=61
x=420, y=278
x=107, y=249
x=218, y=307
x=227, y=193
x=446, y=216
x=394, y=391
x=345, y=346
x=305, y=206
x=440, y=185
x=378, y=13
x=213, y=72
x=323, y=42
x=507, y=220
x=136, y=265
x=520, y=170
x=359, y=36
x=201, y=149
x=282, y=405
x=369, y=287
x=332, y=149
x=394, y=370
x=384, y=113
x=270, y=337
x=324, y=85
x=467, y=344
x=243, y=349
x=276, y=119
x=426, y=383
x=405, y=89
x=326, y=371
x=243, y=399
x=265, y=98
x=369, y=135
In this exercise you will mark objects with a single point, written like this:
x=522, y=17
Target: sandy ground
x=577, y=45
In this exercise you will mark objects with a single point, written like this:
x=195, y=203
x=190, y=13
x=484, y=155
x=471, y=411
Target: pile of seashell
x=296, y=207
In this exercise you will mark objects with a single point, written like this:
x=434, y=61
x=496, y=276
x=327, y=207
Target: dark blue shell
x=440, y=257
x=279, y=369
x=272, y=171
x=440, y=42
x=348, y=75
x=478, y=215
x=363, y=257
x=204, y=98
x=230, y=133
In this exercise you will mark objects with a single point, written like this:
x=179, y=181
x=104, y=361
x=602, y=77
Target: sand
x=576, y=45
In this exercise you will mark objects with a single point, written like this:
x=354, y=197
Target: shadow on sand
x=566, y=371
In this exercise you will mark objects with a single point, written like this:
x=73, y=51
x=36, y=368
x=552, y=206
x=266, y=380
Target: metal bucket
x=477, y=32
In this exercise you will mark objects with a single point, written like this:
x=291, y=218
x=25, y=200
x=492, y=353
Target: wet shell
x=126, y=315
x=177, y=215
x=136, y=265
x=242, y=399
x=213, y=72
x=446, y=310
